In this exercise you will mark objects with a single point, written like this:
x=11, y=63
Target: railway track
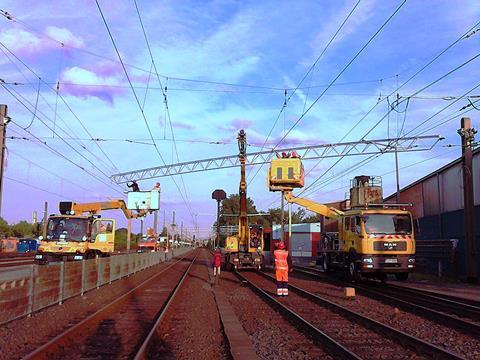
x=125, y=327
x=16, y=261
x=447, y=310
x=346, y=334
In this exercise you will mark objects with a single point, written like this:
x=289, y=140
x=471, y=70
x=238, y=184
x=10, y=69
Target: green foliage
x=5, y=230
x=121, y=240
x=23, y=229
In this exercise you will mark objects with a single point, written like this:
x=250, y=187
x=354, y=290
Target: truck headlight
x=78, y=257
x=368, y=260
x=39, y=256
x=235, y=259
x=412, y=260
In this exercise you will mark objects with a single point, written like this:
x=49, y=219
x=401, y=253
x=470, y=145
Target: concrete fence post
x=61, y=282
x=99, y=271
x=31, y=290
x=83, y=278
x=110, y=270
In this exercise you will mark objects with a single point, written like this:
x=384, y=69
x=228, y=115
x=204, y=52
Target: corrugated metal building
x=438, y=212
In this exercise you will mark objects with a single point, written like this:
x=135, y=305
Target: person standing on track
x=281, y=269
x=217, y=261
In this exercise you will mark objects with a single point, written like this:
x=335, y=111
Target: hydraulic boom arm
x=313, y=206
x=96, y=207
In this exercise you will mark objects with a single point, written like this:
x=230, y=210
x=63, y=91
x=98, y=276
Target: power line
x=135, y=94
x=166, y=104
x=57, y=95
x=301, y=81
x=35, y=187
x=342, y=71
x=52, y=149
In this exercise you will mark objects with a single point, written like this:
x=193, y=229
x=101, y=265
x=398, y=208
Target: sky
x=226, y=66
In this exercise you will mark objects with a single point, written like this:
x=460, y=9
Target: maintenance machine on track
x=244, y=250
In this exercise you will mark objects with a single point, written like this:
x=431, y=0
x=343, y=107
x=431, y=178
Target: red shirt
x=217, y=258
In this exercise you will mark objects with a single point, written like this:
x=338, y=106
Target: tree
x=23, y=229
x=5, y=230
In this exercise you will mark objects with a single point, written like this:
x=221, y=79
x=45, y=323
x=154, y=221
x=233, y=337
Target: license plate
x=391, y=261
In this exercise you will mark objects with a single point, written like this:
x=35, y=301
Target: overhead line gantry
x=354, y=148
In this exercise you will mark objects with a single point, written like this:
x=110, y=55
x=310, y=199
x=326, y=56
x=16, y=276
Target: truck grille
x=390, y=245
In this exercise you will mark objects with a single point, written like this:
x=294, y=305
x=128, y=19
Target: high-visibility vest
x=281, y=259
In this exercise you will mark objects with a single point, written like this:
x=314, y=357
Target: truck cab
x=372, y=242
x=76, y=238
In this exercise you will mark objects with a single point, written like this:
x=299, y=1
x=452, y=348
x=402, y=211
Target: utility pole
x=173, y=229
x=45, y=220
x=129, y=234
x=155, y=222
x=181, y=231
x=397, y=175
x=467, y=134
x=4, y=120
x=282, y=218
x=141, y=227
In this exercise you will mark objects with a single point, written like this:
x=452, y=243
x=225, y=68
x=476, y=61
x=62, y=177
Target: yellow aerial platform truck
x=371, y=239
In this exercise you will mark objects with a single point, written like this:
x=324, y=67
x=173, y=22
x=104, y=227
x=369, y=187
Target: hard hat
x=281, y=245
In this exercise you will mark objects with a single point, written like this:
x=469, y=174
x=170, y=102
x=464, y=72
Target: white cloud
x=64, y=36
x=18, y=40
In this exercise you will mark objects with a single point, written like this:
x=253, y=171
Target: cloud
x=182, y=125
x=241, y=123
x=20, y=41
x=64, y=36
x=81, y=82
x=362, y=13
x=23, y=42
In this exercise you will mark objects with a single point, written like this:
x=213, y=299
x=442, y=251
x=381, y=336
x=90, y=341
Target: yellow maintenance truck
x=79, y=232
x=370, y=239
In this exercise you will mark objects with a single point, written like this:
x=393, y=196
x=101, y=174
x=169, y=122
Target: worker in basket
x=217, y=260
x=281, y=269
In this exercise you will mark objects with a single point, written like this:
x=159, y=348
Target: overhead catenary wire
x=57, y=96
x=36, y=114
x=165, y=103
x=310, y=69
x=416, y=93
x=54, y=150
x=135, y=94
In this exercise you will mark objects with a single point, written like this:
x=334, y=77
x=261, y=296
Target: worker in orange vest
x=281, y=269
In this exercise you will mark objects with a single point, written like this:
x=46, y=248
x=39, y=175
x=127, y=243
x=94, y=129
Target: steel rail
x=414, y=343
x=410, y=305
x=43, y=351
x=143, y=350
x=317, y=335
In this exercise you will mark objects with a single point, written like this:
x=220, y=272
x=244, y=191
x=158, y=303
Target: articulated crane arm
x=97, y=207
x=313, y=206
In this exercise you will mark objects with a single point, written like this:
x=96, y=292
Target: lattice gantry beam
x=362, y=147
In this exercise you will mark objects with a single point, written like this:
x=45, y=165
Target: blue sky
x=269, y=44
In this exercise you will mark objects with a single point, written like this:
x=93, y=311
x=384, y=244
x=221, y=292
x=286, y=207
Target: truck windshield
x=387, y=224
x=67, y=229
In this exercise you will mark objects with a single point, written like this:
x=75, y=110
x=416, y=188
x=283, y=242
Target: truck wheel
x=324, y=263
x=353, y=272
x=401, y=276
